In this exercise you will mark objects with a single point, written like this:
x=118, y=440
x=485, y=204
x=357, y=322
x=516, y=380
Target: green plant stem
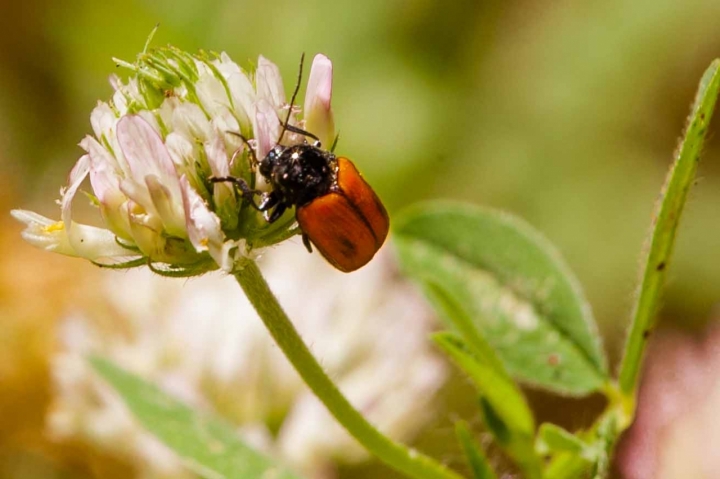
x=665, y=227
x=395, y=455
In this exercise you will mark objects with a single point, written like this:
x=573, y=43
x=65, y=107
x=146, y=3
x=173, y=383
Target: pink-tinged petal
x=171, y=212
x=203, y=226
x=319, y=117
x=105, y=181
x=268, y=83
x=98, y=153
x=217, y=155
x=267, y=128
x=88, y=242
x=75, y=178
x=102, y=119
x=146, y=154
x=223, y=193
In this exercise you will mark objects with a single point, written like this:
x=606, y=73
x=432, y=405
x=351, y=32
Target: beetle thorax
x=300, y=173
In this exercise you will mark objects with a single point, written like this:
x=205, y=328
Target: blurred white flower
x=203, y=343
x=156, y=143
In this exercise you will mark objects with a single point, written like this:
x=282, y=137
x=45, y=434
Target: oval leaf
x=514, y=285
x=207, y=445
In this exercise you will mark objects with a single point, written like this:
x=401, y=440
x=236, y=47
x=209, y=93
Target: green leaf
x=518, y=447
x=504, y=409
x=474, y=454
x=453, y=312
x=566, y=465
x=207, y=445
x=504, y=395
x=662, y=239
x=552, y=438
x=514, y=286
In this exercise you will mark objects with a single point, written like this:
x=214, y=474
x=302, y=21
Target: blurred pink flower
x=677, y=429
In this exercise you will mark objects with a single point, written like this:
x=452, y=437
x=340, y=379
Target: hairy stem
x=395, y=455
x=662, y=239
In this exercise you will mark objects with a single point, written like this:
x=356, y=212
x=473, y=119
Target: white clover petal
x=125, y=94
x=180, y=149
x=217, y=155
x=75, y=178
x=188, y=119
x=76, y=236
x=267, y=128
x=146, y=233
x=203, y=226
x=319, y=118
x=224, y=124
x=145, y=152
x=151, y=120
x=105, y=181
x=210, y=90
x=172, y=218
x=269, y=84
x=140, y=196
x=240, y=86
x=88, y=242
x=102, y=119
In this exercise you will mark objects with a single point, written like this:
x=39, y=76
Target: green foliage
x=516, y=311
x=552, y=439
x=513, y=285
x=666, y=221
x=502, y=396
x=474, y=454
x=504, y=409
x=491, y=276
x=207, y=445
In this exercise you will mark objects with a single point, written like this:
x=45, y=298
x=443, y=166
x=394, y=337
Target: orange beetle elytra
x=347, y=225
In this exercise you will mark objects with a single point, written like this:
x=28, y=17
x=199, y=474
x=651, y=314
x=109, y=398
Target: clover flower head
x=157, y=144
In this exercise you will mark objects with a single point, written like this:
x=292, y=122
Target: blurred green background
x=565, y=113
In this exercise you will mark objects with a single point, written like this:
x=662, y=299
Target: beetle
x=336, y=209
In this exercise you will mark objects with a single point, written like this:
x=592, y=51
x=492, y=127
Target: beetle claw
x=306, y=242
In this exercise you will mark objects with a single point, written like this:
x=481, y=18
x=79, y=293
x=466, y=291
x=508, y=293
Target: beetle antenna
x=300, y=131
x=292, y=99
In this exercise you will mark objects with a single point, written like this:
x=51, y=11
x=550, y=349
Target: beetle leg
x=247, y=193
x=253, y=156
x=276, y=214
x=306, y=242
x=268, y=201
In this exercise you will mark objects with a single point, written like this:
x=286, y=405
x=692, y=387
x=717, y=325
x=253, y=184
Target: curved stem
x=282, y=330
